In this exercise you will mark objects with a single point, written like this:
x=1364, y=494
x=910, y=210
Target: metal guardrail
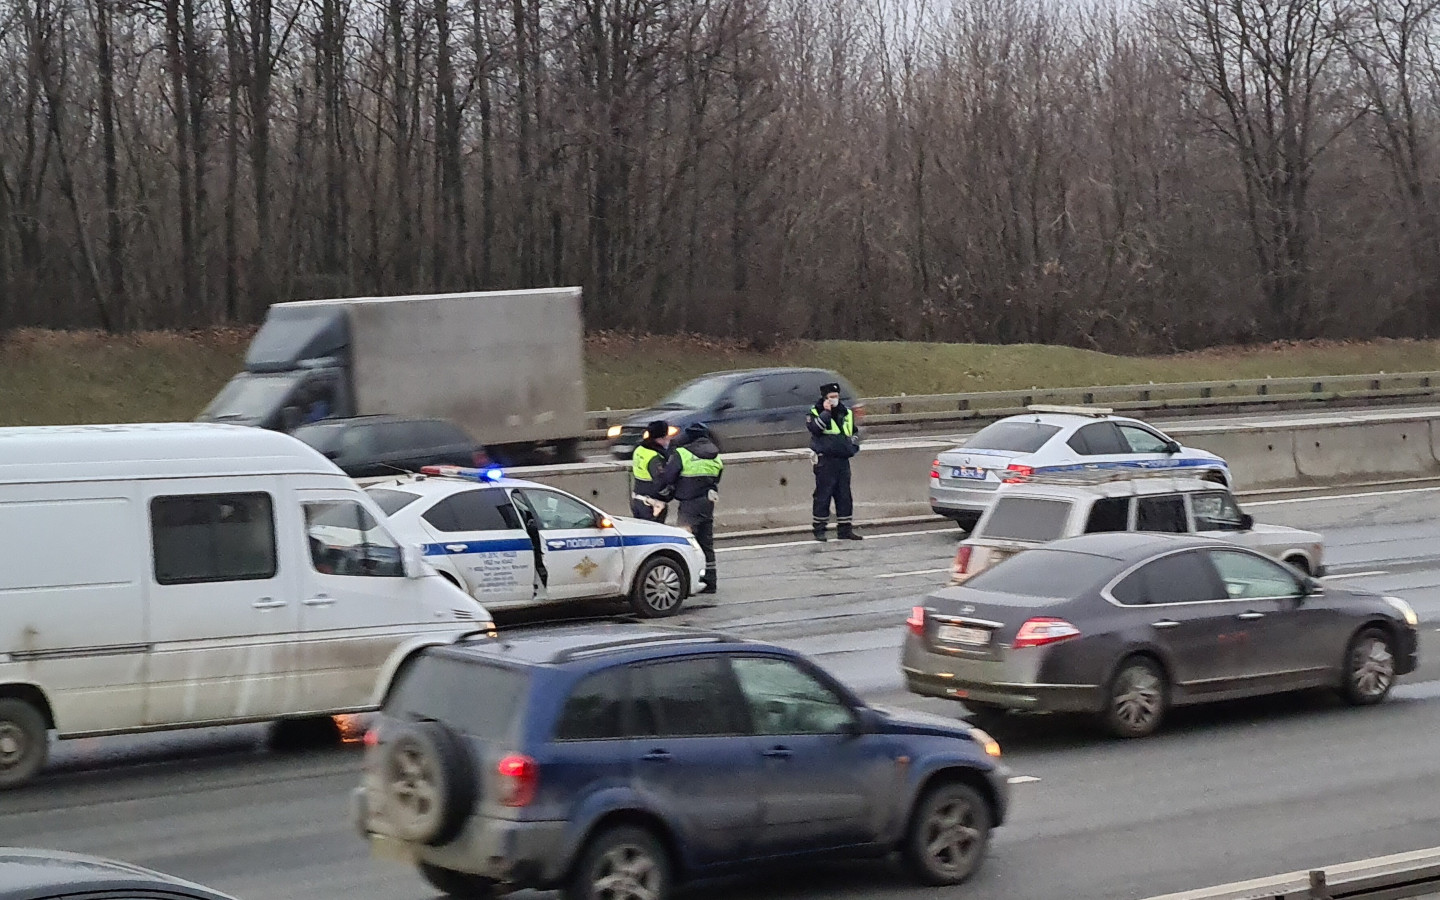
x=1177, y=396
x=1403, y=876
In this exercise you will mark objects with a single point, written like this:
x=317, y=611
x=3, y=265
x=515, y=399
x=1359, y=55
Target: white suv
x=1038, y=509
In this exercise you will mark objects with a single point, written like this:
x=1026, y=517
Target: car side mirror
x=725, y=406
x=866, y=721
x=332, y=454
x=1310, y=587
x=412, y=560
x=1172, y=447
x=1247, y=522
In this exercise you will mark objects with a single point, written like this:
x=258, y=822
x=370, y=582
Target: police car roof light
x=1071, y=410
x=490, y=473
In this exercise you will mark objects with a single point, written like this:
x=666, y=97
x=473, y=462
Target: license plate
x=390, y=850
x=968, y=472
x=961, y=634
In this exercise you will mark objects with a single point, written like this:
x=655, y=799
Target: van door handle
x=267, y=603
x=321, y=600
x=1248, y=616
x=1165, y=623
x=657, y=756
x=778, y=753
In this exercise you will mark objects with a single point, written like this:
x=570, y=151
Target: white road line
x=1321, y=497
x=1353, y=575
x=1023, y=779
x=916, y=572
x=811, y=542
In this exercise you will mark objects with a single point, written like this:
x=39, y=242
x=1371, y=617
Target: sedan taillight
x=962, y=561
x=1016, y=473
x=1043, y=630
x=916, y=622
x=935, y=470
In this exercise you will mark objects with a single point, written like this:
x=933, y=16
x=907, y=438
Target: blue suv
x=615, y=761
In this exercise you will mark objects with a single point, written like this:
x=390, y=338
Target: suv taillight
x=962, y=560
x=1042, y=630
x=519, y=777
x=916, y=622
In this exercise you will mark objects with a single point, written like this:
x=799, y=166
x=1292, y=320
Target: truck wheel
x=659, y=588
x=949, y=833
x=428, y=782
x=621, y=863
x=568, y=451
x=461, y=885
x=24, y=742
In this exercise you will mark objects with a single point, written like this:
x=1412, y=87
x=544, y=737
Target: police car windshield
x=1016, y=437
x=391, y=502
x=698, y=394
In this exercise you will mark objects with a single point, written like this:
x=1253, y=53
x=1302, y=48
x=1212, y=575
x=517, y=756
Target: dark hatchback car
x=374, y=446
x=1126, y=625
x=52, y=875
x=751, y=409
x=619, y=760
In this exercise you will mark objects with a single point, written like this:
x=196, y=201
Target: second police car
x=1051, y=439
x=513, y=543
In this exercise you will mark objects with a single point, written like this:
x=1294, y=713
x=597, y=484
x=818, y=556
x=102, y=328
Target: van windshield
x=250, y=397
x=1026, y=519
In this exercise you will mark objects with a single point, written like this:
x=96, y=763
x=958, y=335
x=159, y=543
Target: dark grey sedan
x=52, y=875
x=1126, y=625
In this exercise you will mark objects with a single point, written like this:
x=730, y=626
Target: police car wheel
x=659, y=588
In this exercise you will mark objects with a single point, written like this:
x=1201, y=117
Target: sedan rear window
x=1026, y=519
x=1016, y=437
x=391, y=502
x=1046, y=573
x=474, y=697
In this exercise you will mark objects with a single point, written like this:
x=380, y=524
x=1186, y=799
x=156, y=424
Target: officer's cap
x=697, y=430
x=831, y=388
x=657, y=429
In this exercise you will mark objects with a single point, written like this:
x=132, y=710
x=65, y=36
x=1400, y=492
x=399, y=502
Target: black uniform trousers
x=832, y=482
x=699, y=517
x=645, y=513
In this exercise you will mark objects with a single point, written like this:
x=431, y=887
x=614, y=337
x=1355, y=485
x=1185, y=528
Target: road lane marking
x=916, y=572
x=1353, y=575
x=811, y=542
x=1023, y=779
x=1356, y=496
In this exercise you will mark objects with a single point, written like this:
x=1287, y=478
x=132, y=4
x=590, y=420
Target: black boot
x=820, y=532
x=847, y=531
x=708, y=580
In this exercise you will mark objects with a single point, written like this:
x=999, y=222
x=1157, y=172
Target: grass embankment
x=61, y=377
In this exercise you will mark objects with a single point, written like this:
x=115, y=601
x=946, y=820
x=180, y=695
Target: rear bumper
x=1011, y=682
x=955, y=500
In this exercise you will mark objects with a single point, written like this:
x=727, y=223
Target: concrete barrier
x=772, y=489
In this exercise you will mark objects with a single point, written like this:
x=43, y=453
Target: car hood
x=1196, y=453
x=1297, y=535
x=631, y=527
x=677, y=417
x=908, y=721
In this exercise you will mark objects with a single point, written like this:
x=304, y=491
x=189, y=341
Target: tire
x=948, y=836
x=631, y=859
x=24, y=742
x=460, y=885
x=428, y=783
x=1369, y=669
x=567, y=451
x=1137, y=699
x=660, y=588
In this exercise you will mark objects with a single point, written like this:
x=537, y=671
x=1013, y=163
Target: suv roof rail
x=1096, y=411
x=1101, y=476
x=699, y=637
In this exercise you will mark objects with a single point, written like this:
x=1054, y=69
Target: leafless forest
x=1157, y=174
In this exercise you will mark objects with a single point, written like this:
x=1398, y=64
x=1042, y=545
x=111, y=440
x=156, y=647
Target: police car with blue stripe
x=1052, y=439
x=512, y=543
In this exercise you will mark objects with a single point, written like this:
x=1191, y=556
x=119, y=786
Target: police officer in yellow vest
x=833, y=442
x=650, y=492
x=695, y=468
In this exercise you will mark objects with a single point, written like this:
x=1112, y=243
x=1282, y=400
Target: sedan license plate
x=962, y=634
x=974, y=472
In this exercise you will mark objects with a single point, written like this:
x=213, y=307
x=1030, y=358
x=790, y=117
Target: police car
x=486, y=532
x=1052, y=439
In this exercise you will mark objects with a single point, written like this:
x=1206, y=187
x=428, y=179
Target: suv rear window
x=1026, y=519
x=1016, y=437
x=1045, y=573
x=470, y=696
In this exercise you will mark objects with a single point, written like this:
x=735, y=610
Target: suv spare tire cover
x=429, y=783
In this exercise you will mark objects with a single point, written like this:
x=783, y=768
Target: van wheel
x=24, y=742
x=659, y=588
x=949, y=833
x=429, y=784
x=461, y=885
x=621, y=863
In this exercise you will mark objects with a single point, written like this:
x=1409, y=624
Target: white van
x=166, y=576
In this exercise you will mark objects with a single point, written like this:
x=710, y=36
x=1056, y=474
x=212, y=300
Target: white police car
x=479, y=529
x=1052, y=439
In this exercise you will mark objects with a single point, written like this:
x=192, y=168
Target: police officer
x=650, y=492
x=832, y=442
x=695, y=469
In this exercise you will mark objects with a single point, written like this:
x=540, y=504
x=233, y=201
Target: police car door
x=479, y=534
x=583, y=553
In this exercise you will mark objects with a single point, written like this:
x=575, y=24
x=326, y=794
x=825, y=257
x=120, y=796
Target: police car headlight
x=613, y=432
x=690, y=539
x=1405, y=610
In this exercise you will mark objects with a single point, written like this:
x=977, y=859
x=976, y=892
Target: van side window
x=1165, y=513
x=213, y=537
x=1109, y=514
x=346, y=540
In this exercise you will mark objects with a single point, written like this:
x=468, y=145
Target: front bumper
x=1407, y=656
x=518, y=854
